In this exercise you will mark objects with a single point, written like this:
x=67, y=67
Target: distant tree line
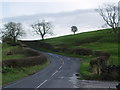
x=12, y=31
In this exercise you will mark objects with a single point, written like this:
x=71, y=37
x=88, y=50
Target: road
x=60, y=73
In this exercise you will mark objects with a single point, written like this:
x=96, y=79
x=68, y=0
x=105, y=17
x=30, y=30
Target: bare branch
x=109, y=14
x=42, y=28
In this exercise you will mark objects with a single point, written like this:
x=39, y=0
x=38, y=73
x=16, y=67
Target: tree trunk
x=42, y=37
x=116, y=34
x=14, y=40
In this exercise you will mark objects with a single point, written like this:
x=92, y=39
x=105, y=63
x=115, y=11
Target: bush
x=101, y=53
x=7, y=69
x=30, y=61
x=60, y=49
x=31, y=52
x=98, y=62
x=61, y=45
x=93, y=61
x=103, y=60
x=110, y=72
x=39, y=44
x=82, y=51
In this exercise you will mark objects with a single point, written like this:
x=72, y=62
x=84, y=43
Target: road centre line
x=41, y=84
x=60, y=67
x=52, y=74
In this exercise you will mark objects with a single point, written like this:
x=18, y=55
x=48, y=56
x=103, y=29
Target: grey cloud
x=85, y=20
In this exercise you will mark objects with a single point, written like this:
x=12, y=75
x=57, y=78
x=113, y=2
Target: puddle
x=77, y=74
x=74, y=80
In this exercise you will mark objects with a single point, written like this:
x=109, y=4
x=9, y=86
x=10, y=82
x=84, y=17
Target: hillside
x=100, y=40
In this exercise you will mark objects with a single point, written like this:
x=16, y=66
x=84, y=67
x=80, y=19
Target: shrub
x=61, y=45
x=82, y=51
x=39, y=44
x=60, y=49
x=99, y=62
x=110, y=72
x=26, y=62
x=103, y=60
x=101, y=53
x=31, y=61
x=9, y=53
x=93, y=62
x=7, y=69
x=31, y=52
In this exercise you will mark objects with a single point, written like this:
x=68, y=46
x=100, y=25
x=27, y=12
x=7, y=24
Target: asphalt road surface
x=60, y=73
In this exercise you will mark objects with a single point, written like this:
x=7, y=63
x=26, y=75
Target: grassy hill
x=100, y=40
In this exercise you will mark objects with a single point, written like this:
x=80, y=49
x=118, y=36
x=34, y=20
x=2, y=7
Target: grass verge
x=14, y=74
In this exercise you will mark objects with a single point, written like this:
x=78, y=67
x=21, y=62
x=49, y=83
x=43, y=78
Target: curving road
x=59, y=74
x=55, y=75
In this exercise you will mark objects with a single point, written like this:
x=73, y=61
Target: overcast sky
x=77, y=12
x=11, y=9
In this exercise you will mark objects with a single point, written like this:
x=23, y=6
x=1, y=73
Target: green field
x=99, y=40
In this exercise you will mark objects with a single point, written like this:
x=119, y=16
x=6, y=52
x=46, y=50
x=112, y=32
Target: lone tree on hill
x=109, y=14
x=12, y=31
x=74, y=29
x=42, y=28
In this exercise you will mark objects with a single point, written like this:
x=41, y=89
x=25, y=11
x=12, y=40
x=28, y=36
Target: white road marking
x=54, y=73
x=60, y=67
x=41, y=84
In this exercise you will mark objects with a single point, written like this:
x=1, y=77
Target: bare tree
x=12, y=31
x=74, y=29
x=109, y=14
x=42, y=28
